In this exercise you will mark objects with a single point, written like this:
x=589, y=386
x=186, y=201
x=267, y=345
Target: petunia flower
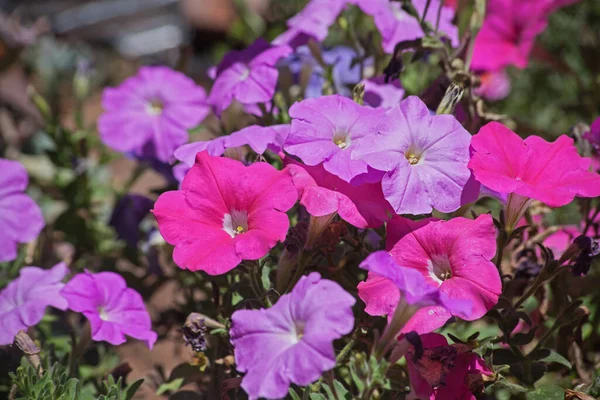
x=439, y=371
x=291, y=342
x=248, y=76
x=396, y=25
x=151, y=112
x=453, y=256
x=593, y=135
x=225, y=212
x=530, y=168
x=113, y=309
x=21, y=219
x=23, y=302
x=425, y=158
x=327, y=129
x=127, y=215
x=495, y=85
x=378, y=93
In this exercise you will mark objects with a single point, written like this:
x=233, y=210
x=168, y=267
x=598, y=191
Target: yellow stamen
x=412, y=159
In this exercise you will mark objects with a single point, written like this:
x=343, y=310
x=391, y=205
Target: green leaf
x=133, y=388
x=555, y=357
x=172, y=386
x=550, y=392
x=293, y=394
x=317, y=396
x=505, y=384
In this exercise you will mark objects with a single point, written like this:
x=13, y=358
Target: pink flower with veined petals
x=553, y=173
x=113, y=309
x=23, y=302
x=454, y=256
x=225, y=212
x=152, y=112
x=248, y=76
x=323, y=194
x=21, y=219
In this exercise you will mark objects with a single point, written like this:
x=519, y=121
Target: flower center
x=341, y=139
x=299, y=330
x=398, y=12
x=155, y=107
x=103, y=314
x=439, y=268
x=235, y=223
x=412, y=159
x=245, y=73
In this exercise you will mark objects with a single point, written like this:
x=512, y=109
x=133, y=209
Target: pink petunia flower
x=324, y=194
x=327, y=129
x=532, y=168
x=21, y=219
x=495, y=85
x=291, y=342
x=152, y=112
x=453, y=256
x=248, y=76
x=593, y=135
x=225, y=212
x=113, y=309
x=425, y=158
x=23, y=302
x=381, y=94
x=459, y=371
x=396, y=25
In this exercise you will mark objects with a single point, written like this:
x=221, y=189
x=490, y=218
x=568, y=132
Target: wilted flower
x=378, y=93
x=113, y=309
x=291, y=342
x=152, y=112
x=23, y=302
x=194, y=332
x=248, y=76
x=425, y=158
x=225, y=212
x=21, y=219
x=327, y=129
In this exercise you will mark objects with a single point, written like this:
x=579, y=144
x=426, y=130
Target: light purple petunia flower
x=396, y=25
x=378, y=93
x=327, y=129
x=23, y=302
x=291, y=342
x=151, y=112
x=248, y=76
x=21, y=219
x=425, y=158
x=113, y=309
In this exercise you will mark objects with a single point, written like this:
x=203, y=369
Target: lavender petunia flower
x=127, y=215
x=248, y=76
x=291, y=342
x=23, y=302
x=326, y=130
x=378, y=93
x=425, y=158
x=21, y=219
x=113, y=309
x=152, y=110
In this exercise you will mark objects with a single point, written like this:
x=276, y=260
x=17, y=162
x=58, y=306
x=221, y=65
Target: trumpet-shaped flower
x=291, y=342
x=21, y=219
x=425, y=158
x=327, y=129
x=378, y=93
x=225, y=212
x=23, y=302
x=151, y=112
x=113, y=309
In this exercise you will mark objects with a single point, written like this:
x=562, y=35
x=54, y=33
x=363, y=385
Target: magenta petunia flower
x=21, y=219
x=23, y=302
x=152, y=112
x=327, y=129
x=248, y=76
x=453, y=256
x=425, y=158
x=495, y=85
x=593, y=135
x=396, y=25
x=378, y=93
x=225, y=212
x=325, y=194
x=553, y=173
x=258, y=138
x=113, y=309
x=291, y=342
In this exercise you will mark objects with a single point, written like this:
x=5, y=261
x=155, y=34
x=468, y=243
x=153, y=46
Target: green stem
x=302, y=262
x=426, y=9
x=539, y=281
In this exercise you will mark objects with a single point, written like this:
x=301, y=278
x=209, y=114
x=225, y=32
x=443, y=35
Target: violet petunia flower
x=113, y=309
x=248, y=76
x=327, y=129
x=593, y=135
x=378, y=93
x=23, y=302
x=152, y=110
x=127, y=215
x=396, y=25
x=425, y=158
x=225, y=212
x=291, y=342
x=21, y=219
